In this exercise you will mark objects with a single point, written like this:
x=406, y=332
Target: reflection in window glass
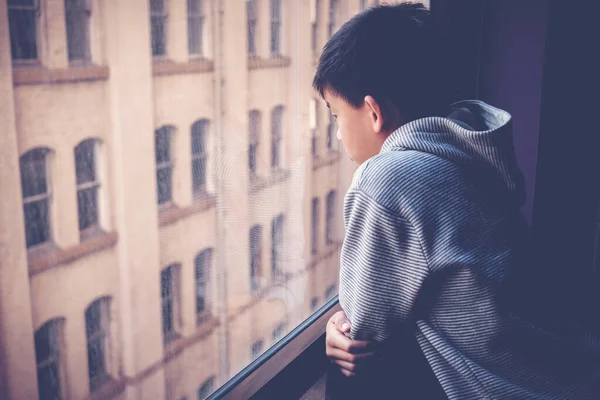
x=207, y=388
x=256, y=350
x=333, y=8
x=330, y=293
x=174, y=214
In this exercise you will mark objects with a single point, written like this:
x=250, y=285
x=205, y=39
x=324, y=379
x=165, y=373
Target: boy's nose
x=338, y=135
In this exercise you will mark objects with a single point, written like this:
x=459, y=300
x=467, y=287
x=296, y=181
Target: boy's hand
x=350, y=355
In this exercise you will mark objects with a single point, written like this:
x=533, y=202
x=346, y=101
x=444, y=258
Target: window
x=278, y=332
x=314, y=18
x=276, y=133
x=257, y=350
x=314, y=243
x=331, y=133
x=255, y=257
x=333, y=6
x=313, y=122
x=207, y=388
x=78, y=13
x=314, y=304
x=97, y=332
x=202, y=264
x=48, y=359
x=88, y=184
x=199, y=158
x=164, y=164
x=329, y=223
x=35, y=188
x=22, y=24
x=330, y=293
x=275, y=27
x=276, y=246
x=158, y=27
x=195, y=10
x=251, y=11
x=169, y=290
x=253, y=143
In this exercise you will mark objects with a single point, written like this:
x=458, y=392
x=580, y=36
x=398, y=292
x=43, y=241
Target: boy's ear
x=375, y=113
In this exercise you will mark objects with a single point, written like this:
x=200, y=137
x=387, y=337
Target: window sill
x=273, y=62
x=277, y=176
x=169, y=215
x=193, y=66
x=36, y=74
x=110, y=389
x=254, y=377
x=46, y=257
x=331, y=157
x=179, y=344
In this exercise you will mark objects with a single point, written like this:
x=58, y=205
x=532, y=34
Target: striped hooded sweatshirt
x=433, y=230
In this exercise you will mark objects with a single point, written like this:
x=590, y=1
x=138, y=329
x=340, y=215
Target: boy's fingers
x=341, y=321
x=337, y=354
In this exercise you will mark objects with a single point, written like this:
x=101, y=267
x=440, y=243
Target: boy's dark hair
x=391, y=52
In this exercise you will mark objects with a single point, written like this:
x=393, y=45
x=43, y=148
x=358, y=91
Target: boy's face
x=359, y=129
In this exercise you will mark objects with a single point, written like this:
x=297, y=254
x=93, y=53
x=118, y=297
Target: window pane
x=163, y=180
x=33, y=173
x=77, y=33
x=23, y=33
x=85, y=167
x=163, y=145
x=37, y=222
x=195, y=25
x=159, y=47
x=49, y=382
x=96, y=363
x=157, y=6
x=87, y=206
x=194, y=7
x=207, y=388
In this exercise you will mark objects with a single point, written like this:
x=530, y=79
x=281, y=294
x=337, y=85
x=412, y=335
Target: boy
x=434, y=234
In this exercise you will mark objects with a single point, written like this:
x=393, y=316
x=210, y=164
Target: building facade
x=172, y=191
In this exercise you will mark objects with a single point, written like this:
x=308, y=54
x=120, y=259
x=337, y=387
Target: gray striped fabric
x=433, y=229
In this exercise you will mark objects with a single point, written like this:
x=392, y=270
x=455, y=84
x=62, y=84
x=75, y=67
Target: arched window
x=199, y=156
x=88, y=183
x=164, y=163
x=49, y=360
x=97, y=328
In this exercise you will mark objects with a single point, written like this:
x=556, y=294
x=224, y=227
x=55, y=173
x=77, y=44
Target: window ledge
x=175, y=347
x=110, y=389
x=331, y=157
x=170, y=215
x=49, y=256
x=34, y=75
x=277, y=176
x=273, y=62
x=193, y=66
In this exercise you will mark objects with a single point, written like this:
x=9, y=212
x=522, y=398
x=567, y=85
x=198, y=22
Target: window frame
x=55, y=328
x=36, y=9
x=84, y=12
x=200, y=128
x=276, y=25
x=254, y=129
x=203, y=259
x=46, y=196
x=252, y=23
x=94, y=185
x=167, y=130
x=277, y=119
x=175, y=302
x=256, y=264
x=198, y=18
x=162, y=16
x=103, y=334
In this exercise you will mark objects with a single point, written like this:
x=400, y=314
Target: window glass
x=177, y=189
